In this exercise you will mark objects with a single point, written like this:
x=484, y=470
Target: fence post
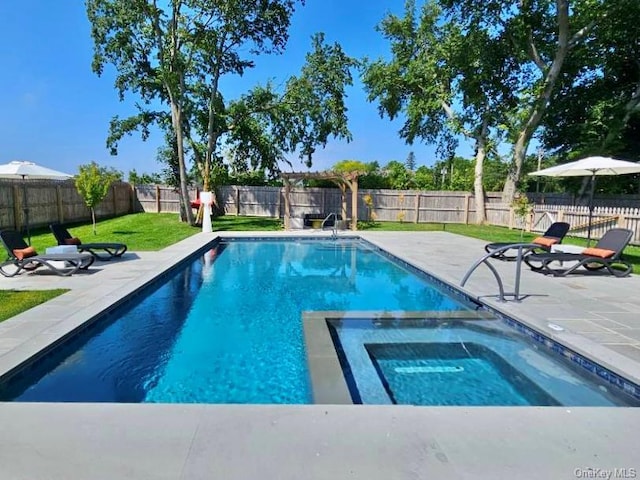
x=560, y=217
x=417, y=207
x=132, y=198
x=512, y=218
x=622, y=221
x=467, y=201
x=287, y=206
x=279, y=203
x=59, y=204
x=157, y=199
x=237, y=200
x=115, y=200
x=529, y=221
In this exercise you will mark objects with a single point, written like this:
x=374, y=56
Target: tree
x=349, y=166
x=522, y=209
x=399, y=177
x=425, y=178
x=447, y=76
x=177, y=55
x=144, y=178
x=267, y=123
x=373, y=177
x=597, y=109
x=542, y=34
x=92, y=183
x=410, y=162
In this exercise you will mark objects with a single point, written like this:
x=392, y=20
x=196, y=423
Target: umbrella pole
x=591, y=194
x=25, y=209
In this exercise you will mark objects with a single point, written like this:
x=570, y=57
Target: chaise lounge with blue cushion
x=24, y=257
x=607, y=254
x=554, y=235
x=63, y=237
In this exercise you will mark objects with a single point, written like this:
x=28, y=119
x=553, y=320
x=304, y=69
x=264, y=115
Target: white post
x=206, y=199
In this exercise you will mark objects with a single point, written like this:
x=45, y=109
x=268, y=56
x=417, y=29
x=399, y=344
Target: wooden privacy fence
x=604, y=218
x=159, y=198
x=388, y=205
x=410, y=206
x=51, y=201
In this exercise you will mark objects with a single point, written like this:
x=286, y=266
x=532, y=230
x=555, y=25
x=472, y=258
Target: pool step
x=424, y=369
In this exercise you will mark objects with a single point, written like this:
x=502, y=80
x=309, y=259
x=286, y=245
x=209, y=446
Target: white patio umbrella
x=29, y=170
x=592, y=167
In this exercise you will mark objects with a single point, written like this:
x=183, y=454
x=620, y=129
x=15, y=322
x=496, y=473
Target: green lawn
x=140, y=231
x=236, y=224
x=13, y=302
x=149, y=231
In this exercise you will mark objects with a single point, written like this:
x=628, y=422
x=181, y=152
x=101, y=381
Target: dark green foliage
x=173, y=56
x=268, y=123
x=597, y=110
x=136, y=178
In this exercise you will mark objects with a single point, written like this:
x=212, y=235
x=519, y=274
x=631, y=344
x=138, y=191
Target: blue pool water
x=452, y=374
x=456, y=361
x=226, y=328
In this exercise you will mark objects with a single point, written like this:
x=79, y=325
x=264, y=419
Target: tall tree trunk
x=478, y=187
x=513, y=176
x=175, y=94
x=550, y=75
x=176, y=117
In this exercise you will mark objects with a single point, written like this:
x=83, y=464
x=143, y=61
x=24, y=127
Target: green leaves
x=444, y=75
x=267, y=124
x=173, y=54
x=350, y=166
x=596, y=110
x=92, y=183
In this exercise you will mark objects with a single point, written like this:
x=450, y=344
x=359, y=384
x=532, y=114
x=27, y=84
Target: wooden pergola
x=344, y=180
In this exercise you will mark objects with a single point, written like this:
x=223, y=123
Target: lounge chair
x=606, y=254
x=554, y=235
x=24, y=257
x=63, y=237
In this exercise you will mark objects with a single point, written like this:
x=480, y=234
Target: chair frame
x=12, y=240
x=113, y=250
x=556, y=231
x=615, y=239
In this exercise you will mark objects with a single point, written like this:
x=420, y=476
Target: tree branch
x=452, y=116
x=533, y=53
x=580, y=34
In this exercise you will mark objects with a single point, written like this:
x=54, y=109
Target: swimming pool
x=226, y=326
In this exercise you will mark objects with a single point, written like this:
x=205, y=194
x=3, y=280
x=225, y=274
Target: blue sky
x=55, y=111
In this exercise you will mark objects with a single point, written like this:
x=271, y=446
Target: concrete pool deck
x=600, y=316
